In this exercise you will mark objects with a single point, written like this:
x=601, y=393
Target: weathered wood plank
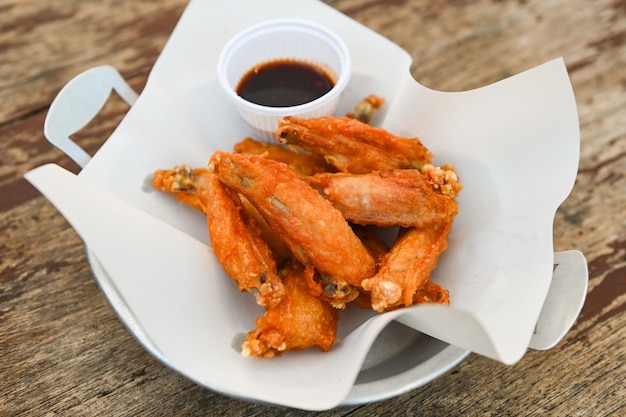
x=43, y=44
x=64, y=352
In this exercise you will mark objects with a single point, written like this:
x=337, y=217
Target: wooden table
x=64, y=352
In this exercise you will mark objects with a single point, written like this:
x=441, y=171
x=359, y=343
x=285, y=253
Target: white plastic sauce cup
x=283, y=39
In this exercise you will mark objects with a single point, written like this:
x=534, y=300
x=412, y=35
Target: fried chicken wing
x=189, y=185
x=299, y=321
x=377, y=248
x=365, y=109
x=443, y=179
x=432, y=293
x=316, y=232
x=302, y=162
x=353, y=146
x=407, y=267
x=401, y=197
x=235, y=238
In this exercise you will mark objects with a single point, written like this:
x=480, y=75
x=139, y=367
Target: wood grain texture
x=64, y=352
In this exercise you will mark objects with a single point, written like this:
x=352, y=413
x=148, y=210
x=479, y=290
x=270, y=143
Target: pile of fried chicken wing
x=294, y=222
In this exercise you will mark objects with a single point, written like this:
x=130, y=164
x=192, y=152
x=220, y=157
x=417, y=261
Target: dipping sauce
x=284, y=83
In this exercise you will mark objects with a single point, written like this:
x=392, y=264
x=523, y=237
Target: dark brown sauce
x=284, y=83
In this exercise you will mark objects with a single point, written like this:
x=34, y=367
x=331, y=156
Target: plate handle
x=78, y=102
x=564, y=301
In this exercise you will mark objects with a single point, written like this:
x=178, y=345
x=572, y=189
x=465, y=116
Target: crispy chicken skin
x=276, y=243
x=235, y=238
x=351, y=145
x=316, y=232
x=401, y=197
x=299, y=160
x=299, y=321
x=407, y=267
